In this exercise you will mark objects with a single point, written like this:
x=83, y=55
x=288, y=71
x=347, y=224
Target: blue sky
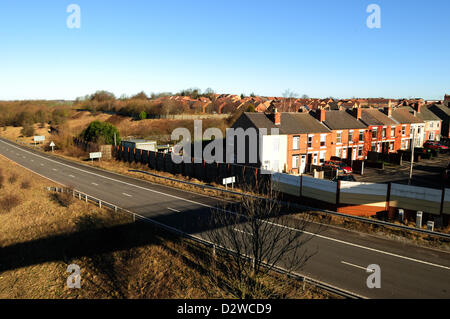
x=320, y=48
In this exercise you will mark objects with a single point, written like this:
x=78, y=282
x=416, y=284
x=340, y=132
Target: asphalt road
x=341, y=256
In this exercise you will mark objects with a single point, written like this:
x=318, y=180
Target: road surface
x=341, y=258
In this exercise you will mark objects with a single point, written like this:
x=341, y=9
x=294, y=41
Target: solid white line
x=353, y=265
x=204, y=205
x=174, y=210
x=128, y=195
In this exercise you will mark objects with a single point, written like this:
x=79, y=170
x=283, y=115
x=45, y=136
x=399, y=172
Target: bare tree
x=289, y=95
x=255, y=235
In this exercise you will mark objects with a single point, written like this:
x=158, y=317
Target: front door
x=303, y=164
x=354, y=154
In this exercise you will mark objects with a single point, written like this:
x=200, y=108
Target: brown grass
x=118, y=258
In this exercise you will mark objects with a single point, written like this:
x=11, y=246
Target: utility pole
x=412, y=157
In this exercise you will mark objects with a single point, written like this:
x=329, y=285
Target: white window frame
x=296, y=142
x=338, y=137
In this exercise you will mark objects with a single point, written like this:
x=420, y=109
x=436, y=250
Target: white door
x=354, y=153
x=303, y=164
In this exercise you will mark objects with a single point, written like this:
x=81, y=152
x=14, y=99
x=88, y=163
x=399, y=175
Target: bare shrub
x=65, y=199
x=8, y=202
x=2, y=178
x=25, y=185
x=13, y=178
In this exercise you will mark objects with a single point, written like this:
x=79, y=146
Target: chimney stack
x=320, y=114
x=357, y=112
x=388, y=110
x=276, y=117
x=419, y=106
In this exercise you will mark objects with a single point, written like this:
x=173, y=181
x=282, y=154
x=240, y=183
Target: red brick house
x=383, y=131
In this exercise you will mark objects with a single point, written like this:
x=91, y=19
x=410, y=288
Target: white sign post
x=52, y=145
x=38, y=139
x=229, y=180
x=93, y=156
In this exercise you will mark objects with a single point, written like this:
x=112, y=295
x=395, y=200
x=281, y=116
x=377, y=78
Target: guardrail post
x=99, y=203
x=401, y=215
x=419, y=219
x=115, y=209
x=86, y=198
x=79, y=196
x=430, y=226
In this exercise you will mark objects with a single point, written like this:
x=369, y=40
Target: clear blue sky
x=320, y=48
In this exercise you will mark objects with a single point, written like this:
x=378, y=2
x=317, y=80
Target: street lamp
x=412, y=156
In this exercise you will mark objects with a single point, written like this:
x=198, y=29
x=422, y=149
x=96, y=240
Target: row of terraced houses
x=316, y=136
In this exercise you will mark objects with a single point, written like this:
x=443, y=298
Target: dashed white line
x=241, y=231
x=72, y=176
x=95, y=184
x=128, y=195
x=356, y=266
x=174, y=210
x=205, y=205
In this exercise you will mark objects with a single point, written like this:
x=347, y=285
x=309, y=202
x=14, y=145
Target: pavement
x=426, y=173
x=340, y=256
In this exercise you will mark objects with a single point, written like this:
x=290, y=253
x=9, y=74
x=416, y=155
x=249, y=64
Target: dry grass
x=39, y=238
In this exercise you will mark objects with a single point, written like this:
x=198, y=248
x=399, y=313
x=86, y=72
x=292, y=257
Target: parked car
x=346, y=178
x=340, y=166
x=433, y=145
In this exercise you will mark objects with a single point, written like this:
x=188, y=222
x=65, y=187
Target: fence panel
x=319, y=189
x=285, y=183
x=446, y=209
x=427, y=200
x=355, y=193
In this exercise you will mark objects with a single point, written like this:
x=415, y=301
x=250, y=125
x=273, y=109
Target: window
x=384, y=132
x=403, y=130
x=295, y=161
x=392, y=131
x=339, y=152
x=296, y=142
x=360, y=151
x=315, y=158
x=361, y=136
x=432, y=136
x=374, y=133
x=373, y=147
x=431, y=124
x=403, y=146
x=391, y=146
x=438, y=124
x=339, y=138
x=350, y=136
x=322, y=157
x=310, y=141
x=323, y=140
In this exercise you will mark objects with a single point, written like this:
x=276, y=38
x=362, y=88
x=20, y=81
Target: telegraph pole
x=412, y=157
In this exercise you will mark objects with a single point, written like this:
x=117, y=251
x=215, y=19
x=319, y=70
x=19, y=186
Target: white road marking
x=55, y=169
x=72, y=176
x=174, y=210
x=241, y=231
x=204, y=205
x=42, y=164
x=356, y=266
x=95, y=184
x=128, y=195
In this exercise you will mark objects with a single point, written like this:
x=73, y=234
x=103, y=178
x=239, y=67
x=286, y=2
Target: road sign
x=229, y=180
x=95, y=155
x=39, y=138
x=52, y=145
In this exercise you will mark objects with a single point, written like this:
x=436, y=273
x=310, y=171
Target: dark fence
x=246, y=176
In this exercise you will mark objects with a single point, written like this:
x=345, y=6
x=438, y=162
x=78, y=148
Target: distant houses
x=323, y=130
